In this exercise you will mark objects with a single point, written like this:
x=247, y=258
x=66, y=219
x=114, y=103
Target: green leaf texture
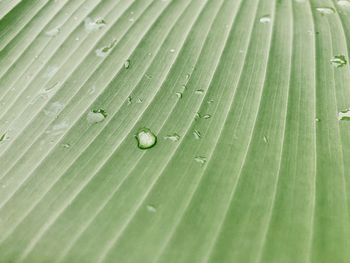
x=248, y=100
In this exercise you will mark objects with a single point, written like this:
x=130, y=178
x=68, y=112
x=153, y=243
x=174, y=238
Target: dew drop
x=151, y=208
x=200, y=159
x=129, y=100
x=139, y=100
x=172, y=137
x=145, y=138
x=172, y=50
x=325, y=10
x=265, y=19
x=317, y=120
x=197, y=135
x=187, y=76
x=206, y=116
x=344, y=115
x=338, y=61
x=96, y=116
x=127, y=64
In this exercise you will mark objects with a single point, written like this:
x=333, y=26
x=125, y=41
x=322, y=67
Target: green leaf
x=174, y=131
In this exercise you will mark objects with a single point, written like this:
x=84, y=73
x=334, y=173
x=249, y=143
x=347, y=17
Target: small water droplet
x=131, y=19
x=197, y=135
x=148, y=76
x=338, y=61
x=344, y=3
x=92, y=90
x=151, y=208
x=94, y=24
x=325, y=10
x=172, y=137
x=187, y=76
x=206, y=116
x=210, y=101
x=265, y=139
x=54, y=109
x=104, y=51
x=129, y=100
x=66, y=145
x=52, y=87
x=199, y=91
x=2, y=138
x=145, y=138
x=200, y=159
x=53, y=32
x=317, y=120
x=265, y=19
x=172, y=50
x=139, y=100
x=127, y=64
x=96, y=116
x=178, y=94
x=344, y=115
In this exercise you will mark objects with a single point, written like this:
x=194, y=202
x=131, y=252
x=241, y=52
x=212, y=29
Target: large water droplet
x=146, y=138
x=344, y=115
x=339, y=61
x=172, y=137
x=325, y=10
x=93, y=24
x=96, y=116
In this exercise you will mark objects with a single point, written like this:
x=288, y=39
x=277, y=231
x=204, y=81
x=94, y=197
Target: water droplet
x=53, y=32
x=2, y=138
x=127, y=64
x=178, y=94
x=265, y=139
x=172, y=137
x=210, y=101
x=317, y=120
x=265, y=19
x=187, y=76
x=96, y=116
x=58, y=128
x=92, y=90
x=151, y=208
x=139, y=100
x=129, y=100
x=199, y=91
x=338, y=61
x=94, y=24
x=197, y=135
x=52, y=87
x=200, y=159
x=50, y=71
x=206, y=116
x=344, y=115
x=148, y=76
x=131, y=19
x=146, y=138
x=54, y=109
x=104, y=51
x=66, y=145
x=343, y=3
x=325, y=10
x=172, y=50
